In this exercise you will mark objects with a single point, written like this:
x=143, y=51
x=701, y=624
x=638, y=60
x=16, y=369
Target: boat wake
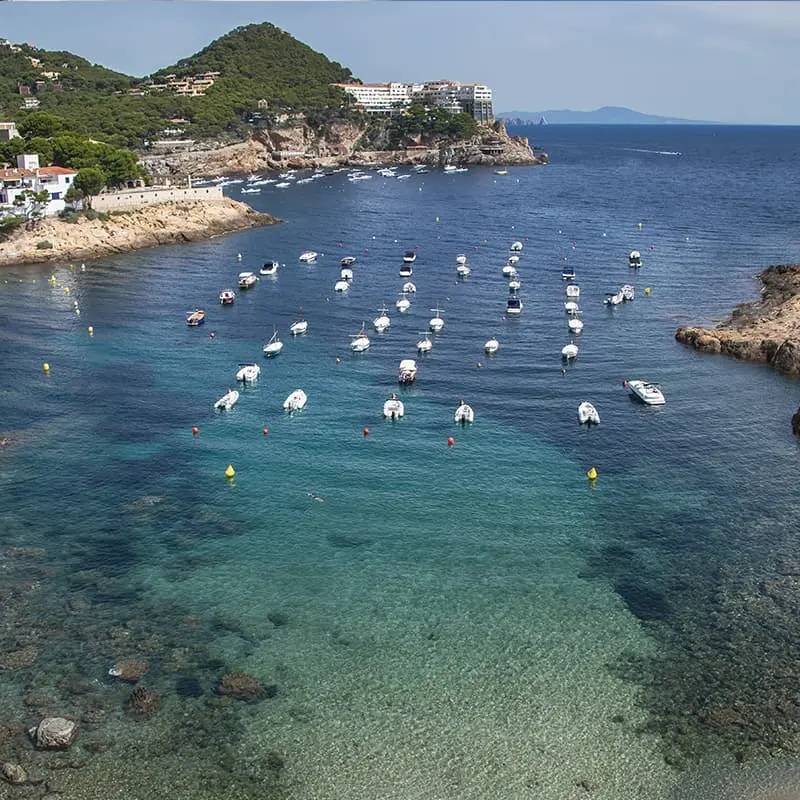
x=655, y=152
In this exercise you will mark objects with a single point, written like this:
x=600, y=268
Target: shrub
x=44, y=245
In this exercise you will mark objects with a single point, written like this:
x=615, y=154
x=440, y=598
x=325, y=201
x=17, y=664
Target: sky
x=732, y=62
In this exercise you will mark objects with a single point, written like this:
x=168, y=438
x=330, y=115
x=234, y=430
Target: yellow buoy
x=91, y=330
x=591, y=474
x=46, y=367
x=647, y=290
x=640, y=226
x=230, y=472
x=66, y=290
x=52, y=279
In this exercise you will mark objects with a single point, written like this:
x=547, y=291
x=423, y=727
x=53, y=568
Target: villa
x=29, y=175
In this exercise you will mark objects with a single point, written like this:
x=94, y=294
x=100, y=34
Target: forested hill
x=255, y=62
x=264, y=62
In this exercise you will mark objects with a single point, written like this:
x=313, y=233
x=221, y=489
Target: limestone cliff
x=146, y=226
x=298, y=146
x=766, y=331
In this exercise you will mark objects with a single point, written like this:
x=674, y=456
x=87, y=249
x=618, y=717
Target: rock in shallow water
x=55, y=733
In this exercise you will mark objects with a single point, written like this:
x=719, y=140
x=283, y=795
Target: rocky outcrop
x=765, y=331
x=54, y=239
x=299, y=146
x=55, y=733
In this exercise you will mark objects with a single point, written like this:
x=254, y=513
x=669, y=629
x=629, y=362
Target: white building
x=29, y=175
x=8, y=131
x=386, y=99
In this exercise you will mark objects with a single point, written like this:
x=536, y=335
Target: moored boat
x=347, y=261
x=409, y=257
x=273, y=346
x=402, y=304
x=573, y=291
x=382, y=322
x=569, y=351
x=409, y=287
x=613, y=298
x=513, y=305
x=248, y=373
x=587, y=414
x=406, y=270
x=436, y=323
x=296, y=400
x=309, y=257
x=247, y=280
x=393, y=408
x=407, y=371
x=269, y=268
x=492, y=345
x=341, y=286
x=360, y=341
x=226, y=297
x=227, y=401
x=464, y=413
x=648, y=393
x=425, y=344
x=628, y=292
x=299, y=326
x=516, y=247
x=575, y=325
x=196, y=317
x=635, y=259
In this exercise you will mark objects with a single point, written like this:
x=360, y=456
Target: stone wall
x=140, y=197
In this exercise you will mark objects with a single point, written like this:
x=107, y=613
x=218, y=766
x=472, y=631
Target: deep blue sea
x=431, y=621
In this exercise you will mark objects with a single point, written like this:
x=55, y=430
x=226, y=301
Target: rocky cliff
x=766, y=331
x=298, y=146
x=146, y=226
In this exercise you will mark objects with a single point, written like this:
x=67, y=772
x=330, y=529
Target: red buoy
x=195, y=431
x=366, y=431
x=265, y=431
x=450, y=441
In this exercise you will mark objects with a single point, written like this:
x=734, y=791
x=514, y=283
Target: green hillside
x=255, y=62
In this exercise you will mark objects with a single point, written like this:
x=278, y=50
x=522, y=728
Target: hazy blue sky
x=726, y=61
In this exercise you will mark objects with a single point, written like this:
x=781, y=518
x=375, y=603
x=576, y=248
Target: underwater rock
x=55, y=733
x=19, y=658
x=142, y=702
x=13, y=773
x=130, y=670
x=243, y=687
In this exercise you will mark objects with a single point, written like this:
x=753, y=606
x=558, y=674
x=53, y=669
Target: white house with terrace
x=29, y=175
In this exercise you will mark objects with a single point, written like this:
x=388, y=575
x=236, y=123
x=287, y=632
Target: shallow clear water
x=455, y=622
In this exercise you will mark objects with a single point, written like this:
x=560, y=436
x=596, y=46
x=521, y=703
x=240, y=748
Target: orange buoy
x=265, y=431
x=366, y=431
x=195, y=430
x=450, y=441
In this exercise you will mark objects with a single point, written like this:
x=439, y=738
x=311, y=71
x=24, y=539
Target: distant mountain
x=607, y=115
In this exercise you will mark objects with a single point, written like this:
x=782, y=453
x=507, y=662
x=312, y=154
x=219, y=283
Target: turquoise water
x=451, y=622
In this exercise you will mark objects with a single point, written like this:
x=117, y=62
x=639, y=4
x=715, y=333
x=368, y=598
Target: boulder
x=13, y=773
x=129, y=670
x=55, y=733
x=241, y=686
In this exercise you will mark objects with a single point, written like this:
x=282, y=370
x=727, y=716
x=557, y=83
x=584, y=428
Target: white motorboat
x=571, y=307
x=462, y=270
x=649, y=393
x=407, y=371
x=436, y=323
x=341, y=286
x=269, y=268
x=402, y=304
x=248, y=373
x=573, y=291
x=513, y=305
x=613, y=298
x=635, y=259
x=228, y=400
x=296, y=400
x=568, y=275
x=514, y=284
x=247, y=280
x=424, y=344
x=346, y=274
x=575, y=325
x=461, y=259
x=628, y=292
x=299, y=326
x=449, y=168
x=382, y=322
x=226, y=297
x=360, y=341
x=509, y=270
x=409, y=288
x=282, y=185
x=409, y=257
x=406, y=270
x=587, y=413
x=492, y=346
x=273, y=346
x=513, y=260
x=393, y=408
x=309, y=257
x=347, y=261
x=464, y=413
x=516, y=247
x=569, y=351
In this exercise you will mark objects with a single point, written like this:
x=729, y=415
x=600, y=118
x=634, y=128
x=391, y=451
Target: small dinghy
x=573, y=291
x=514, y=284
x=569, y=351
x=461, y=259
x=346, y=274
x=516, y=247
x=571, y=307
x=635, y=259
x=296, y=400
x=341, y=286
x=409, y=288
x=227, y=401
x=407, y=372
x=587, y=414
x=464, y=413
x=393, y=408
x=347, y=261
x=196, y=317
x=509, y=270
x=462, y=270
x=248, y=373
x=613, y=298
x=575, y=325
x=492, y=346
x=628, y=292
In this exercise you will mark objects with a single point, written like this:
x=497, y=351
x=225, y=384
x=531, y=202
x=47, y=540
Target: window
x=55, y=196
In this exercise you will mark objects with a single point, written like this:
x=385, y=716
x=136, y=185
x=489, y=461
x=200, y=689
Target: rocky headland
x=765, y=331
x=343, y=144
x=54, y=239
